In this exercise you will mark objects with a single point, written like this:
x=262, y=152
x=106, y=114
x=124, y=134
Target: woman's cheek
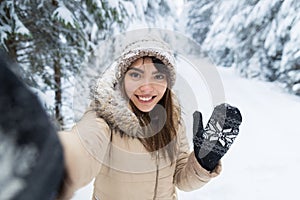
x=130, y=89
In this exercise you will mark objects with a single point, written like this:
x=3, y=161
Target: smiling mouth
x=145, y=99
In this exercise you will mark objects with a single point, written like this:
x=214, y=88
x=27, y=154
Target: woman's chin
x=143, y=109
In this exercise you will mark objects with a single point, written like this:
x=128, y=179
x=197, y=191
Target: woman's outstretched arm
x=85, y=148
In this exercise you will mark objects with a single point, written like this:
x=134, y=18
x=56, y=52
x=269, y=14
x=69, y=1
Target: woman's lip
x=145, y=99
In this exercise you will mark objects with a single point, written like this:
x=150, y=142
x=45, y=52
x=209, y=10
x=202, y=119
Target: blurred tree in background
x=261, y=38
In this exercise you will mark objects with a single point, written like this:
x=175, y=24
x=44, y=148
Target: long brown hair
x=161, y=127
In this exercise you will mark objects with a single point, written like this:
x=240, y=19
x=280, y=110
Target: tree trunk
x=11, y=45
x=58, y=90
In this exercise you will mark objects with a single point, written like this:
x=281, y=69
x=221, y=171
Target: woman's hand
x=211, y=143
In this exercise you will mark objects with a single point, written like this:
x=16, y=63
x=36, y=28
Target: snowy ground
x=264, y=160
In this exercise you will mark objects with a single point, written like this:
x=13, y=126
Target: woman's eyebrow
x=156, y=72
x=142, y=71
x=136, y=69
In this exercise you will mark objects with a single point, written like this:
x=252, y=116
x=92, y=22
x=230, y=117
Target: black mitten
x=211, y=143
x=31, y=156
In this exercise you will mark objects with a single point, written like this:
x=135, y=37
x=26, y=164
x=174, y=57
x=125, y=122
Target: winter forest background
x=51, y=39
x=258, y=40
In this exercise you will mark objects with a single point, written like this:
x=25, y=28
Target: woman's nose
x=146, y=87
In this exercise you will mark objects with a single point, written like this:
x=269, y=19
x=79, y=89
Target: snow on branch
x=64, y=15
x=20, y=28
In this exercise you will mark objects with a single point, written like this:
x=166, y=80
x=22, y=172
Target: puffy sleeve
x=189, y=175
x=84, y=147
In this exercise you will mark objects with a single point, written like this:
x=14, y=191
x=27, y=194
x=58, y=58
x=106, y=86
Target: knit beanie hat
x=147, y=46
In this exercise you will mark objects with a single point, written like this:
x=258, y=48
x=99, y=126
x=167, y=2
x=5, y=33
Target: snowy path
x=264, y=160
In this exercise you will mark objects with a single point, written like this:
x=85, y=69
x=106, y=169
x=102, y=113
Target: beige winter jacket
x=121, y=166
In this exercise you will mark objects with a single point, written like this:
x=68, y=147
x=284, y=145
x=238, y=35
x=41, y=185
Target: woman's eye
x=134, y=75
x=160, y=77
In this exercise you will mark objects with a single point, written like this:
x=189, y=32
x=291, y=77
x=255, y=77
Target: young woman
x=132, y=140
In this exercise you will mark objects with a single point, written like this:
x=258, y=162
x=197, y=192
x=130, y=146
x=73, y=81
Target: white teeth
x=145, y=98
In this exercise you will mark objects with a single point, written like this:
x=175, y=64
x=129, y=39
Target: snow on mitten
x=211, y=143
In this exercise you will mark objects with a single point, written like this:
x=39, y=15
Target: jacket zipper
x=157, y=174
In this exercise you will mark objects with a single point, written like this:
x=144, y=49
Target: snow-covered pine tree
x=283, y=43
x=198, y=14
x=51, y=39
x=146, y=13
x=259, y=38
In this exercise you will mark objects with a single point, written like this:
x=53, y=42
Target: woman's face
x=144, y=84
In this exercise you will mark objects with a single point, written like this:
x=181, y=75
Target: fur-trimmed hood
x=107, y=98
x=111, y=106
